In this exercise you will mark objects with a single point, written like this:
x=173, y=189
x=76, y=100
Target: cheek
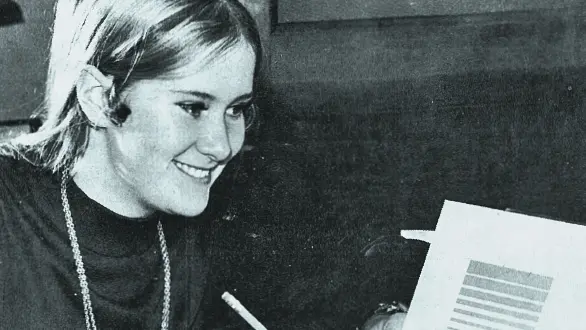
x=134, y=157
x=237, y=137
x=237, y=144
x=144, y=143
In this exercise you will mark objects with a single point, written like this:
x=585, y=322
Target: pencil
x=237, y=306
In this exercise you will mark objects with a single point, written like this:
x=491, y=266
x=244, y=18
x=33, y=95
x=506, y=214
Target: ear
x=93, y=88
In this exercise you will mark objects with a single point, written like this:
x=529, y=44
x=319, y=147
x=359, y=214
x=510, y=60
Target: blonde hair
x=130, y=40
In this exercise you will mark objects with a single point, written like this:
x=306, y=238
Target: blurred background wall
x=23, y=59
x=378, y=111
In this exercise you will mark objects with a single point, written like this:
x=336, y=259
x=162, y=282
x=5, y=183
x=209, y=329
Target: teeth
x=192, y=171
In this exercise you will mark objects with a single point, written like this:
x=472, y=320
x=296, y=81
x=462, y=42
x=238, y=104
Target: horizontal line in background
x=14, y=122
x=473, y=18
x=494, y=319
x=510, y=275
x=475, y=325
x=509, y=289
x=501, y=300
x=522, y=316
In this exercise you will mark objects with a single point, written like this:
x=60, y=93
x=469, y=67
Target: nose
x=213, y=140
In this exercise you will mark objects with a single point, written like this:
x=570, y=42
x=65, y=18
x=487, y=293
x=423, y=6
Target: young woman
x=146, y=103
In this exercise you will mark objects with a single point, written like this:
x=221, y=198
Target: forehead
x=222, y=75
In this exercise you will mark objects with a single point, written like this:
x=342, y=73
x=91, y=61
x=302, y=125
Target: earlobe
x=92, y=94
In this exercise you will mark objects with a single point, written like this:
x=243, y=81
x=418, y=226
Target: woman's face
x=181, y=133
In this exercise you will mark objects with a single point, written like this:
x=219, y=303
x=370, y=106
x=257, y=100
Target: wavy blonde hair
x=129, y=40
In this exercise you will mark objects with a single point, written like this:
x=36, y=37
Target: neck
x=96, y=177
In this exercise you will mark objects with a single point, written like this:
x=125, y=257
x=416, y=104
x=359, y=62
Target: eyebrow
x=210, y=97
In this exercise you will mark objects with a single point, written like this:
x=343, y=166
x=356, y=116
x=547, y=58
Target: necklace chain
x=90, y=320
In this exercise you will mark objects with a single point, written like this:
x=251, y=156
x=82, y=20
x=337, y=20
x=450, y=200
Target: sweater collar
x=107, y=233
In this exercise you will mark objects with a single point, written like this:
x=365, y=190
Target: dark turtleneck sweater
x=39, y=284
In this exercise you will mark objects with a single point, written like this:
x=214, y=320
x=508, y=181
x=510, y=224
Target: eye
x=194, y=108
x=238, y=111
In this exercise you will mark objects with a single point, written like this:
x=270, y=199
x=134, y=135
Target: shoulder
x=16, y=172
x=8, y=172
x=12, y=185
x=20, y=180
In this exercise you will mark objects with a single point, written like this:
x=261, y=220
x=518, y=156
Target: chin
x=185, y=202
x=191, y=207
x=188, y=211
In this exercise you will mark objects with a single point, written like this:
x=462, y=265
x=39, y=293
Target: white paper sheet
x=420, y=235
x=490, y=269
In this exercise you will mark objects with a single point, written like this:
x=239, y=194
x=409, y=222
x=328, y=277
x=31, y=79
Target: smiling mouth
x=194, y=172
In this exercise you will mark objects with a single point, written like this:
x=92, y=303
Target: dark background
x=369, y=125
x=370, y=119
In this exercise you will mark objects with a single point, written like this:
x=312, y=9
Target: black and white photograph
x=293, y=164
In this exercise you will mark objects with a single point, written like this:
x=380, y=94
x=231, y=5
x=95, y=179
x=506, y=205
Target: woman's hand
x=385, y=322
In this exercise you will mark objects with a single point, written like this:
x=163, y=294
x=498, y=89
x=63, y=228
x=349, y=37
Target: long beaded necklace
x=90, y=321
